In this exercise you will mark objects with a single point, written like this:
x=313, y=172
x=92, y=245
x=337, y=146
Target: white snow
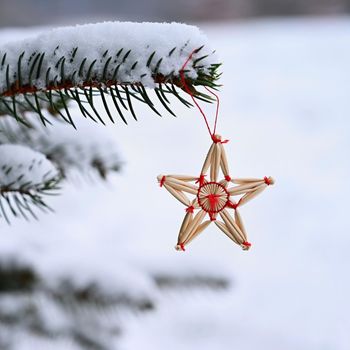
x=285, y=109
x=95, y=40
x=20, y=165
x=73, y=149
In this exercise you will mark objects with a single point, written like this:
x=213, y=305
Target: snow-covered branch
x=91, y=148
x=111, y=63
x=25, y=176
x=113, y=58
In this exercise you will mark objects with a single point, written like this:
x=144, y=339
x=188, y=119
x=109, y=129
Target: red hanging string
x=183, y=80
x=217, y=108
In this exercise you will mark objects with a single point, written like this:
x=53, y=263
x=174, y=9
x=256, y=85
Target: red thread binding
x=201, y=180
x=161, y=183
x=213, y=198
x=217, y=140
x=212, y=217
x=267, y=181
x=228, y=178
x=213, y=201
x=232, y=205
x=190, y=209
x=247, y=244
x=182, y=246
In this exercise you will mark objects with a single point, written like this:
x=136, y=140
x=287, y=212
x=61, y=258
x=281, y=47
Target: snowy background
x=285, y=105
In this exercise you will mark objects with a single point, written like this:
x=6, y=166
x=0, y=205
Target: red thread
x=182, y=246
x=212, y=217
x=190, y=209
x=217, y=108
x=183, y=81
x=201, y=180
x=247, y=244
x=217, y=140
x=232, y=205
x=162, y=181
x=228, y=178
x=267, y=181
x=212, y=198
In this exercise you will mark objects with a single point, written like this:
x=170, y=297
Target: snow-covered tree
x=111, y=64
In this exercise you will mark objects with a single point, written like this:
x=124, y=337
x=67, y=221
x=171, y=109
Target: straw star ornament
x=213, y=199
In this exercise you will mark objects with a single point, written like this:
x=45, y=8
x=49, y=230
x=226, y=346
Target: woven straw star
x=213, y=198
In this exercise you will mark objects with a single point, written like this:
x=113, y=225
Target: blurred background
x=101, y=272
x=34, y=12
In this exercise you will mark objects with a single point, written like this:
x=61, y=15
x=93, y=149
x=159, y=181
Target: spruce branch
x=26, y=177
x=89, y=150
x=104, y=70
x=34, y=77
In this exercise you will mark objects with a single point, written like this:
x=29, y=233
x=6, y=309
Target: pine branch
x=16, y=107
x=26, y=177
x=112, y=65
x=90, y=149
x=55, y=71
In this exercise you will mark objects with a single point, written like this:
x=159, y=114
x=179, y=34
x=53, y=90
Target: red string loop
x=188, y=90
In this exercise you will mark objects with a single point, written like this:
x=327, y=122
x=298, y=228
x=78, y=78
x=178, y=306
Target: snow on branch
x=90, y=148
x=25, y=177
x=113, y=58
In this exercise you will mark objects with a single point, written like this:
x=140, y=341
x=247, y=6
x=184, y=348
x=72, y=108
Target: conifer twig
x=50, y=71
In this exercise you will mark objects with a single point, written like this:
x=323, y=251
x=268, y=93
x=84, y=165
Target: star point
x=213, y=197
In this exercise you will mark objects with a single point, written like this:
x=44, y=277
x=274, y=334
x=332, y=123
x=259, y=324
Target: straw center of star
x=212, y=197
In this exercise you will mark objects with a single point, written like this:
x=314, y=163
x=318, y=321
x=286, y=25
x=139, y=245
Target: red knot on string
x=217, y=139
